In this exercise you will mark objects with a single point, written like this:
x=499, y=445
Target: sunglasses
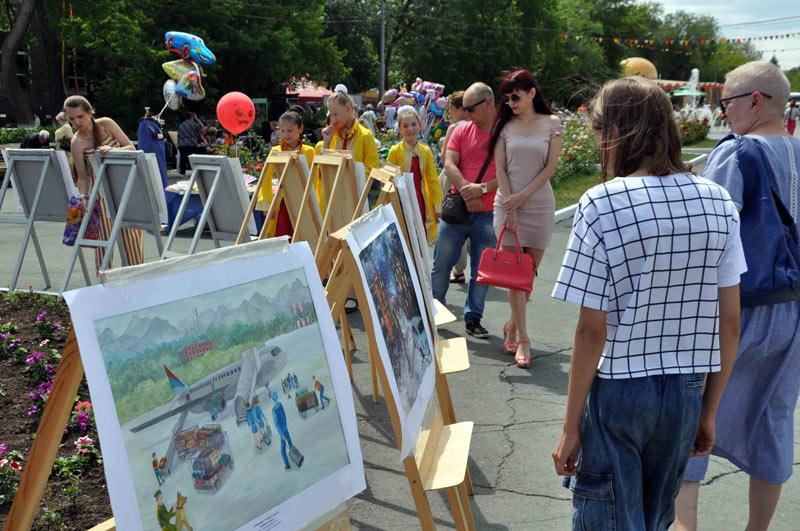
x=471, y=108
x=723, y=101
x=511, y=97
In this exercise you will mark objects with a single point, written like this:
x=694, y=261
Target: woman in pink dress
x=526, y=139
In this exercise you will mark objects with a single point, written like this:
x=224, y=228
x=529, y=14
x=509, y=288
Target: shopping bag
x=506, y=269
x=75, y=213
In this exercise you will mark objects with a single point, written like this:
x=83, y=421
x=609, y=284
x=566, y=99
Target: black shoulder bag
x=454, y=208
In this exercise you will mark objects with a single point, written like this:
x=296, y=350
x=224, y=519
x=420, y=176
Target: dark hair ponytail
x=521, y=80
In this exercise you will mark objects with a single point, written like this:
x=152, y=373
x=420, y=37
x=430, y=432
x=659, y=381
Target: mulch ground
x=17, y=430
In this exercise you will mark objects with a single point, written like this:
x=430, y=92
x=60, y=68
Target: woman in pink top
x=526, y=139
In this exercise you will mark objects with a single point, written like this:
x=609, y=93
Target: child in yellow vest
x=416, y=158
x=291, y=127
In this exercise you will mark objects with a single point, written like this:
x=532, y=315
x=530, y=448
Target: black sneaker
x=475, y=329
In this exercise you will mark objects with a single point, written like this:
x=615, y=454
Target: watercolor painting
x=225, y=402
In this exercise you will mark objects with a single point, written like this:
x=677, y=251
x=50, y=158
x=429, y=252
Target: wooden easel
x=339, y=188
x=442, y=450
x=292, y=182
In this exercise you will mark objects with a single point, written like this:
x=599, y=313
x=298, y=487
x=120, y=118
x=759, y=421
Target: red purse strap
x=500, y=239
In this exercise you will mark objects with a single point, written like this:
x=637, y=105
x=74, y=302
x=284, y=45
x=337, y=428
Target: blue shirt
x=279, y=416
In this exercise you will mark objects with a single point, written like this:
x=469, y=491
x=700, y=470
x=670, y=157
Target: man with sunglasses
x=467, y=153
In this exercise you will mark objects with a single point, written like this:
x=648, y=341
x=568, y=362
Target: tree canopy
x=571, y=46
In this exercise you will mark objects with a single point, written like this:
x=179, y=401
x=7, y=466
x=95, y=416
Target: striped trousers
x=131, y=239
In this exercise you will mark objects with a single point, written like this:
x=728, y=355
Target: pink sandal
x=523, y=360
x=509, y=348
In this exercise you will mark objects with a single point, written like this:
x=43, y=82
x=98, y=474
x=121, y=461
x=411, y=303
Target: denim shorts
x=636, y=435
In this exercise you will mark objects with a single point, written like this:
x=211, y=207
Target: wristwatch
x=483, y=188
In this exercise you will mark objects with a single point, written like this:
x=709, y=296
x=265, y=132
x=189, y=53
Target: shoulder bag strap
x=483, y=168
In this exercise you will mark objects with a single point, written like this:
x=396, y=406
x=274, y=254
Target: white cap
x=340, y=88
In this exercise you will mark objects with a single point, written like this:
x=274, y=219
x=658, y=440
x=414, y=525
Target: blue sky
x=729, y=12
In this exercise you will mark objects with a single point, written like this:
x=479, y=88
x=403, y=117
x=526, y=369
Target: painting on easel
x=226, y=404
x=396, y=301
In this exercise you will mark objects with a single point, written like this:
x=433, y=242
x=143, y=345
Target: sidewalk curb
x=566, y=213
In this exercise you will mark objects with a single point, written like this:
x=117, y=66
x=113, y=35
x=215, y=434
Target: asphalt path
x=517, y=413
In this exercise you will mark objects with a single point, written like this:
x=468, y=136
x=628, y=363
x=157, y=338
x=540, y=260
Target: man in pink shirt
x=467, y=150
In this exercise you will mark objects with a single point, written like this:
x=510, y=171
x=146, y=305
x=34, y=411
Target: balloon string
x=164, y=108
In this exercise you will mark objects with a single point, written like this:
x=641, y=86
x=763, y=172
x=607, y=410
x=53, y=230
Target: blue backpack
x=769, y=233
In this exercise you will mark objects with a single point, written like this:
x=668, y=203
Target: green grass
x=705, y=143
x=568, y=191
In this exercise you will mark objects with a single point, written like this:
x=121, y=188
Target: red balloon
x=236, y=112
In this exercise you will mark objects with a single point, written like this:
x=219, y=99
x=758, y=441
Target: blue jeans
x=449, y=241
x=636, y=435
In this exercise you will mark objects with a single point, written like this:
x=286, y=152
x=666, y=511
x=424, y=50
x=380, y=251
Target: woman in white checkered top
x=654, y=261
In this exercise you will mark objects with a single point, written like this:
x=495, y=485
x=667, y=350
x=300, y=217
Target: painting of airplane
x=235, y=383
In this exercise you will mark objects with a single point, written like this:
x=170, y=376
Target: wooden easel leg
x=48, y=437
x=420, y=499
x=456, y=508
x=468, y=482
x=462, y=492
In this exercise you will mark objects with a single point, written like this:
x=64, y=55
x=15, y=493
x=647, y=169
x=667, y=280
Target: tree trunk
x=19, y=106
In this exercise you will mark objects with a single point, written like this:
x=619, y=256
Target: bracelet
x=84, y=196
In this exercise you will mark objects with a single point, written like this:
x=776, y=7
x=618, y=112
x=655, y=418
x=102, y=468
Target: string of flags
x=684, y=42
x=679, y=52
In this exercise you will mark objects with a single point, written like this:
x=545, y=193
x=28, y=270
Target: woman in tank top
x=100, y=135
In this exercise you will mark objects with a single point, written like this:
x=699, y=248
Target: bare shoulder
x=555, y=120
x=106, y=122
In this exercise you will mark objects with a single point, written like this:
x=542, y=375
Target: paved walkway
x=518, y=414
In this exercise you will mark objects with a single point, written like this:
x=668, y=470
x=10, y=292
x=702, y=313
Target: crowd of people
x=681, y=349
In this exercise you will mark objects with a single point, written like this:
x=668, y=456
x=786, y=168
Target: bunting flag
x=685, y=42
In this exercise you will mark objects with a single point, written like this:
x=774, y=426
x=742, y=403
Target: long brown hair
x=637, y=129
x=79, y=102
x=521, y=80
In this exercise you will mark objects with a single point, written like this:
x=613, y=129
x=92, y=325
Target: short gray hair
x=764, y=77
x=61, y=117
x=482, y=90
x=44, y=135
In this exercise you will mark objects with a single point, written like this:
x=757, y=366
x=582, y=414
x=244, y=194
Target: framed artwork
x=220, y=393
x=396, y=304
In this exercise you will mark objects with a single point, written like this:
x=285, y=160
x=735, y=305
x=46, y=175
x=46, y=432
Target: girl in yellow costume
x=291, y=127
x=416, y=158
x=347, y=134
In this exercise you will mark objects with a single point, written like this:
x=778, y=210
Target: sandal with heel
x=523, y=360
x=509, y=348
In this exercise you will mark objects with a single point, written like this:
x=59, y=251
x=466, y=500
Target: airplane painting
x=210, y=398
x=213, y=393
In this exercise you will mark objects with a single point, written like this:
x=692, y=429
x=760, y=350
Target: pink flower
x=44, y=342
x=3, y=463
x=3, y=448
x=15, y=466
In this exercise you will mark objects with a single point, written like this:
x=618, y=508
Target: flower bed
x=693, y=129
x=33, y=329
x=579, y=155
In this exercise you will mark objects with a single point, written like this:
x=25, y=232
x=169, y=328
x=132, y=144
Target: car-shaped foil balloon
x=189, y=47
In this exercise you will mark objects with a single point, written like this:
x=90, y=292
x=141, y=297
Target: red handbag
x=506, y=269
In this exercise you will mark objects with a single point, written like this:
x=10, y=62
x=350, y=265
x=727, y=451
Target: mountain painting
x=224, y=400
